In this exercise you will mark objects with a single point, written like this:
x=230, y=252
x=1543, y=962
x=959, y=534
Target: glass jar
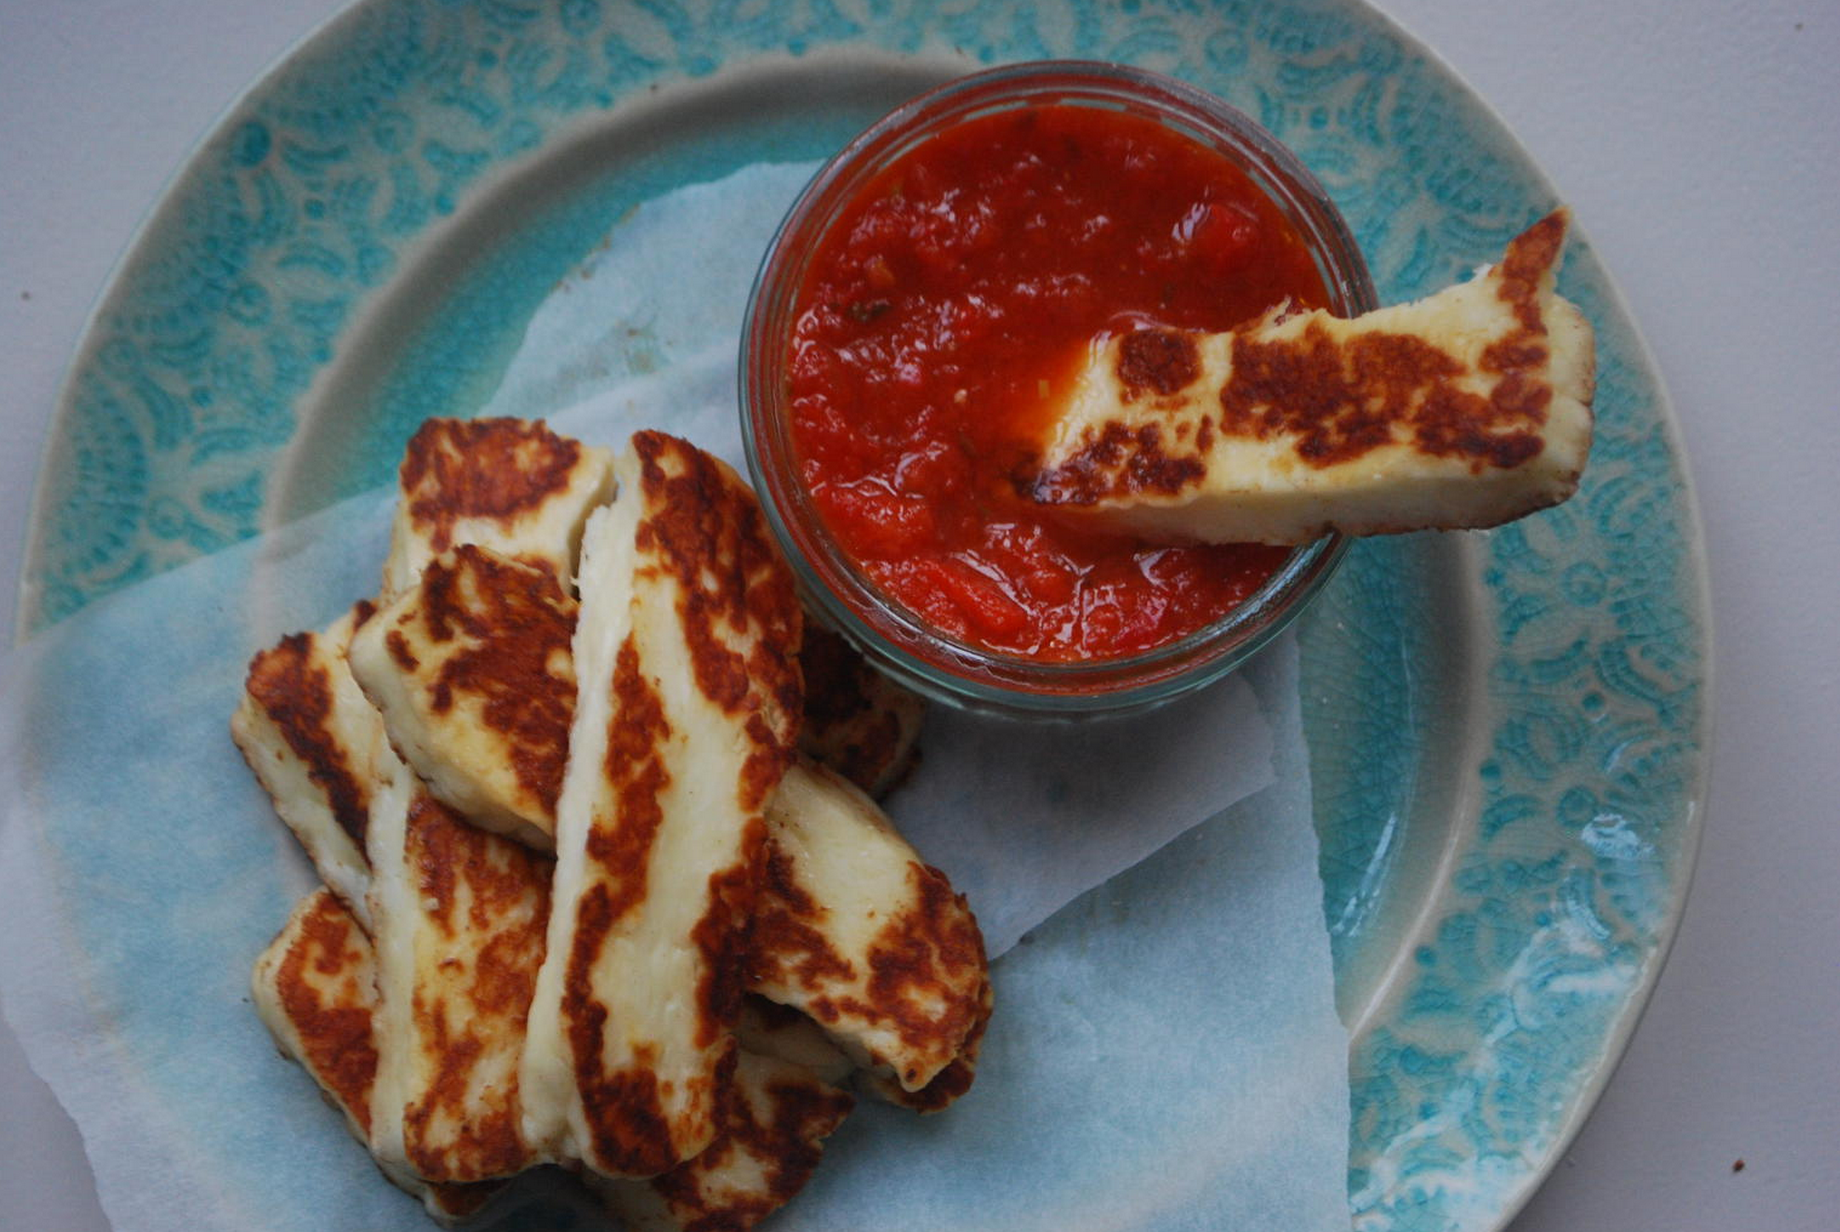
x=899, y=641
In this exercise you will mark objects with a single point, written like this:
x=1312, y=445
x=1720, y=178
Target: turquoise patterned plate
x=1507, y=730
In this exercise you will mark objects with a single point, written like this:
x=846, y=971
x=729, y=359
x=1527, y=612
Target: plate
x=1507, y=730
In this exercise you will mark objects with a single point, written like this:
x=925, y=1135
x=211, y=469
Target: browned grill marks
x=788, y=946
x=461, y=1201
x=1122, y=459
x=922, y=963
x=623, y=1109
x=1160, y=360
x=1336, y=399
x=708, y=531
x=335, y=1039
x=398, y=647
x=507, y=892
x=1342, y=399
x=702, y=539
x=955, y=1079
x=481, y=468
x=635, y=767
x=788, y=1147
x=520, y=625
x=624, y=1112
x=766, y=765
x=505, y=882
x=920, y=959
x=1530, y=254
x=296, y=695
x=489, y=1141
x=721, y=936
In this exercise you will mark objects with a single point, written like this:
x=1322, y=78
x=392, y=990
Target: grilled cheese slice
x=857, y=932
x=1469, y=408
x=686, y=653
x=775, y=1117
x=315, y=990
x=458, y=920
x=472, y=671
x=310, y=736
x=510, y=485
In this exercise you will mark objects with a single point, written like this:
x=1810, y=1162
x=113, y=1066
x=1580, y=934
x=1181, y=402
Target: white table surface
x=1699, y=143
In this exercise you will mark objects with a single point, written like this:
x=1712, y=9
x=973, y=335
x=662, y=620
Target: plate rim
x=1628, y=1018
x=114, y=287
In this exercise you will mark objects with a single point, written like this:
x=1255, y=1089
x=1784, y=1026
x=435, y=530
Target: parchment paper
x=1165, y=1052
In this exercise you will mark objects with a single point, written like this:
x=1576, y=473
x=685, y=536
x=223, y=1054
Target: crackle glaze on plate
x=1506, y=729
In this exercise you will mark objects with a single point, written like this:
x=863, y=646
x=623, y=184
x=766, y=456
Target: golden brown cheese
x=459, y=916
x=315, y=989
x=858, y=933
x=949, y=1083
x=857, y=721
x=775, y=1117
x=1465, y=409
x=511, y=485
x=472, y=671
x=309, y=735
x=686, y=653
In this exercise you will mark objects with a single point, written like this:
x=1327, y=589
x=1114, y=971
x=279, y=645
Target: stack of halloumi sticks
x=590, y=897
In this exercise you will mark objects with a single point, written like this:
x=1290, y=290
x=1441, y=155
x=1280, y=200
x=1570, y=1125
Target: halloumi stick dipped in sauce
x=315, y=990
x=689, y=693
x=1468, y=408
x=510, y=485
x=861, y=935
x=472, y=671
x=310, y=736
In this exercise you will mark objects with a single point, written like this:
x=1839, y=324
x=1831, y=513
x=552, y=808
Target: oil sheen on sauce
x=948, y=307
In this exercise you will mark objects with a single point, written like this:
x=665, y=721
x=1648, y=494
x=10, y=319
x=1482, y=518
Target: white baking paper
x=1165, y=1051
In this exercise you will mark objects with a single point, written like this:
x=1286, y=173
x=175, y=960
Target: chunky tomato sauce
x=949, y=306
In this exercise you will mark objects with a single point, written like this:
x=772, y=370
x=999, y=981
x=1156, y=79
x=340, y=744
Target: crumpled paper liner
x=1165, y=1051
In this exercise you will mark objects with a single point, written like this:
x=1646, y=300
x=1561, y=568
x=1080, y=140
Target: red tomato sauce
x=951, y=304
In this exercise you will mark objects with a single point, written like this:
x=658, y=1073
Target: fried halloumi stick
x=310, y=736
x=686, y=653
x=458, y=920
x=775, y=1117
x=315, y=990
x=857, y=932
x=472, y=670
x=1468, y=408
x=459, y=914
x=510, y=485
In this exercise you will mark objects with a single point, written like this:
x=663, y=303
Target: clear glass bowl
x=898, y=641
